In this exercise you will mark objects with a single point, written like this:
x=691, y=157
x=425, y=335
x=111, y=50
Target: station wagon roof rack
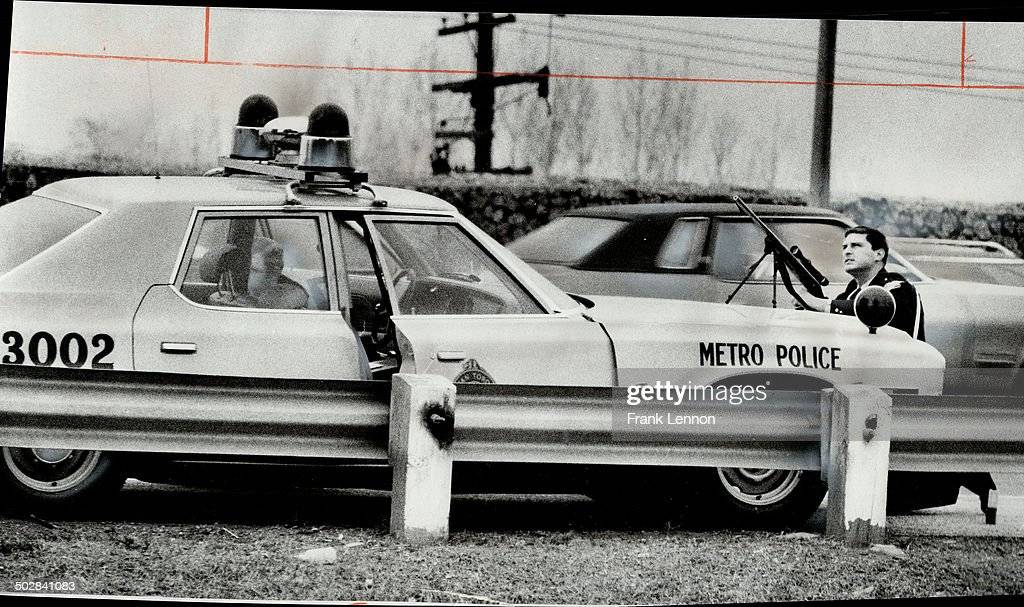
x=312, y=153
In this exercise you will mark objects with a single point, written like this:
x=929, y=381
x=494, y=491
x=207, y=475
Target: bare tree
x=113, y=145
x=579, y=98
x=566, y=110
x=518, y=111
x=657, y=119
x=724, y=138
x=773, y=151
x=549, y=144
x=634, y=106
x=410, y=116
x=669, y=144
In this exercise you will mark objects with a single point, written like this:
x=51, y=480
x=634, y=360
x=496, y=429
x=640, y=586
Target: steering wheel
x=403, y=273
x=381, y=327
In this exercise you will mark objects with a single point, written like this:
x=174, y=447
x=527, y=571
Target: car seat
x=227, y=266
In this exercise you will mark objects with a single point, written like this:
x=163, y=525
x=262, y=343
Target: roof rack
x=340, y=177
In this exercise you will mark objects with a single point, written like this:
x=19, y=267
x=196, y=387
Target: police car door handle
x=450, y=356
x=177, y=347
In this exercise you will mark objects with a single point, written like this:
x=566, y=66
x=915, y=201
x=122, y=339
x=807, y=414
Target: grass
x=500, y=549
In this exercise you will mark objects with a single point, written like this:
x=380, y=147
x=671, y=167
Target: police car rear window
x=31, y=225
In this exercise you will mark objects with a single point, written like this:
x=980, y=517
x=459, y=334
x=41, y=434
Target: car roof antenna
x=152, y=126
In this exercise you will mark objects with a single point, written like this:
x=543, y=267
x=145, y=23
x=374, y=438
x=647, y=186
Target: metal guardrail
x=156, y=412
x=585, y=425
x=957, y=433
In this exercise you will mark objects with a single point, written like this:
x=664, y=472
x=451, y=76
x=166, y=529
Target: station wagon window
x=566, y=240
x=255, y=262
x=31, y=225
x=739, y=243
x=683, y=245
x=436, y=268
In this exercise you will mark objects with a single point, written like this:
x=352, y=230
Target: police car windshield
x=31, y=225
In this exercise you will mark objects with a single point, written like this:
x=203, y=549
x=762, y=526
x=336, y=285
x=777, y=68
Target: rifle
x=791, y=258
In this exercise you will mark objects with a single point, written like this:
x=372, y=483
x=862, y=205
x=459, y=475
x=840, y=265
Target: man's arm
x=908, y=307
x=818, y=304
x=841, y=306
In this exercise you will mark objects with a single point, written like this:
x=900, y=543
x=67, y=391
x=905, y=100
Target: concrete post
x=421, y=431
x=861, y=427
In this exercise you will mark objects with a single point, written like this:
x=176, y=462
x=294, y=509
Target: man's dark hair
x=875, y=238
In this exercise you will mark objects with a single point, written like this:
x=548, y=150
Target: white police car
x=284, y=263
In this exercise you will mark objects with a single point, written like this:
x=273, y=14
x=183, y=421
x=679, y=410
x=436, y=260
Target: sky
x=902, y=142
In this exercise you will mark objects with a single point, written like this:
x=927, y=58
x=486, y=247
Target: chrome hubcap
x=759, y=486
x=52, y=456
x=50, y=470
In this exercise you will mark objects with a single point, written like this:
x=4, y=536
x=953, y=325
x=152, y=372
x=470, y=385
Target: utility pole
x=821, y=140
x=481, y=89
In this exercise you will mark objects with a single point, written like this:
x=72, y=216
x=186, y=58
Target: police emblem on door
x=473, y=373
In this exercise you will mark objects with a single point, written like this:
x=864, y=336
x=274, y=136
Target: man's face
x=858, y=254
x=270, y=261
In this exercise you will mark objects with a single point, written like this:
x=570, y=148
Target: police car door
x=255, y=295
x=466, y=317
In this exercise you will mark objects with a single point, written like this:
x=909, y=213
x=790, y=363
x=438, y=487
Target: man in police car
x=865, y=251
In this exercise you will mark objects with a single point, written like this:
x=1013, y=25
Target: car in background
x=702, y=251
x=967, y=260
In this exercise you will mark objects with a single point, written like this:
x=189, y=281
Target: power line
x=748, y=52
x=781, y=43
x=760, y=67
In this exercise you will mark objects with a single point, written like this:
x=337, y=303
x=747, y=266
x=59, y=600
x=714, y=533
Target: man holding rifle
x=865, y=251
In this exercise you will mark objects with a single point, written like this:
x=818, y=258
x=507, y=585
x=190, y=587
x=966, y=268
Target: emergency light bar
x=299, y=148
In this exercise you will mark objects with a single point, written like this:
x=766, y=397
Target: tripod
x=769, y=249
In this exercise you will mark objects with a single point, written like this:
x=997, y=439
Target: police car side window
x=271, y=263
x=362, y=280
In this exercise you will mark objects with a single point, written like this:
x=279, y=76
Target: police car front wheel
x=761, y=496
x=48, y=478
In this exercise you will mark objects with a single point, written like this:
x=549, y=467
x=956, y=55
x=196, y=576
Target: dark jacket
x=909, y=310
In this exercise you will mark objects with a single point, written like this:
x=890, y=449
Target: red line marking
x=121, y=57
x=206, y=38
x=963, y=52
x=408, y=70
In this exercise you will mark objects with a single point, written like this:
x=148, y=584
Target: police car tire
x=28, y=482
x=790, y=497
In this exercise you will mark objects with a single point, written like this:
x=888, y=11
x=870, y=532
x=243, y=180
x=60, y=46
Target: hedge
x=507, y=207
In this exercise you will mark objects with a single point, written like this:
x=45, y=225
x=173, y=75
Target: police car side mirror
x=875, y=307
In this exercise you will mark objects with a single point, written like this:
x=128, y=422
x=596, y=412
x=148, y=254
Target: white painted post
x=861, y=427
x=421, y=430
x=825, y=406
